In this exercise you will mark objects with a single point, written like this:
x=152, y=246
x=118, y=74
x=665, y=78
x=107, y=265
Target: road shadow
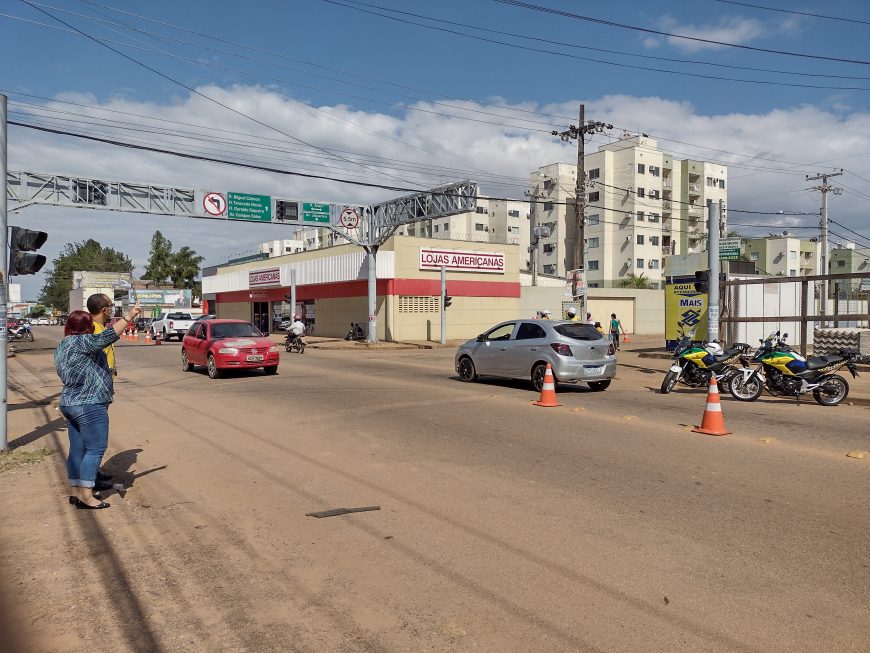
x=519, y=384
x=45, y=401
x=120, y=467
x=642, y=368
x=55, y=425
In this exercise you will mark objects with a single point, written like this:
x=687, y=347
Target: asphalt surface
x=602, y=525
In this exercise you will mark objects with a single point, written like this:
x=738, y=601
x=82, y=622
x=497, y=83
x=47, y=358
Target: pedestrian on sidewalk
x=615, y=328
x=81, y=364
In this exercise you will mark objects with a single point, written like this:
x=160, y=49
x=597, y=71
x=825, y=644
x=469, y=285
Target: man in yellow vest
x=101, y=308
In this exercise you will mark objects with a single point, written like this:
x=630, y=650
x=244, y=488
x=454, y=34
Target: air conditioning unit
x=650, y=265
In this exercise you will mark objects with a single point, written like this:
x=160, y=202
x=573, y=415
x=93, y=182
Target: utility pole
x=824, y=188
x=579, y=133
x=4, y=271
x=713, y=226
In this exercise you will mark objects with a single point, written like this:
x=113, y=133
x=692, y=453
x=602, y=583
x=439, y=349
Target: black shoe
x=104, y=477
x=81, y=505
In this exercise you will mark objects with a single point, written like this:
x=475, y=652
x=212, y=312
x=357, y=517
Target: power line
x=645, y=56
x=842, y=226
x=198, y=93
x=798, y=13
x=646, y=30
x=600, y=61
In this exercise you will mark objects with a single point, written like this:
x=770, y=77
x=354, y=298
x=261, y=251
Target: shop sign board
x=458, y=260
x=729, y=249
x=685, y=310
x=264, y=278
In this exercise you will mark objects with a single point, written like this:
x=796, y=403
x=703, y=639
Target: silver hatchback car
x=521, y=349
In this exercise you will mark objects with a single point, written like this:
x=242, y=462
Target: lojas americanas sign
x=458, y=260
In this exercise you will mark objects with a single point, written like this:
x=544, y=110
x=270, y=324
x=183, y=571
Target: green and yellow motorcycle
x=694, y=364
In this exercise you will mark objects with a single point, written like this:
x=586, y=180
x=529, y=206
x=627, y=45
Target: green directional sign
x=244, y=206
x=312, y=212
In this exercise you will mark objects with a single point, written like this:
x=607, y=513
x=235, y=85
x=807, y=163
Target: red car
x=226, y=345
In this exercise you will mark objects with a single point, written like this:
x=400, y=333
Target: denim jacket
x=81, y=365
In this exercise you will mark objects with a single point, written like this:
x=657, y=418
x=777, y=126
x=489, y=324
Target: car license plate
x=594, y=371
x=255, y=359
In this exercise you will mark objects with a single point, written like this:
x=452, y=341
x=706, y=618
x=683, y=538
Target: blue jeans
x=88, y=430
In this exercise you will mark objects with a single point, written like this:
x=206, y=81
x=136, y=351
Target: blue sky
x=389, y=88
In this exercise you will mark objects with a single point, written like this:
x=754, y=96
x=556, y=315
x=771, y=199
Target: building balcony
x=666, y=226
x=695, y=189
x=666, y=250
x=667, y=184
x=696, y=210
x=666, y=205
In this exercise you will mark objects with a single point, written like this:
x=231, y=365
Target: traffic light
x=21, y=243
x=286, y=211
x=447, y=301
x=702, y=280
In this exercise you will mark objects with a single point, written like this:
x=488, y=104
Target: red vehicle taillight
x=561, y=348
x=611, y=349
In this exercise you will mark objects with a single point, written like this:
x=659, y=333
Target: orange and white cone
x=712, y=423
x=548, y=391
x=147, y=337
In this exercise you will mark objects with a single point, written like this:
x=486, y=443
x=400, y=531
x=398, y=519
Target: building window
x=513, y=230
x=655, y=171
x=595, y=173
x=548, y=206
x=640, y=216
x=653, y=264
x=655, y=194
x=593, y=265
x=593, y=220
x=436, y=229
x=481, y=209
x=514, y=214
x=753, y=256
x=653, y=240
x=593, y=197
x=640, y=192
x=722, y=184
x=640, y=239
x=653, y=217
x=841, y=264
x=549, y=184
x=478, y=227
x=640, y=168
x=792, y=256
x=792, y=273
x=593, y=243
x=549, y=269
x=549, y=248
x=640, y=264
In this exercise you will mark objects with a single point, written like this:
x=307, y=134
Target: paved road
x=604, y=525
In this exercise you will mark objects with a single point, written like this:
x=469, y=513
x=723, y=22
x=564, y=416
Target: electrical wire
x=698, y=39
x=797, y=13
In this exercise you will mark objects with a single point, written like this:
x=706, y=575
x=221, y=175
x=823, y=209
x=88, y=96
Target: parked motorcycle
x=784, y=372
x=294, y=343
x=695, y=364
x=20, y=332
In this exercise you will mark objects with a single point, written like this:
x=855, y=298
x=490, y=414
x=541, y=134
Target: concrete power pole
x=579, y=133
x=824, y=188
x=4, y=269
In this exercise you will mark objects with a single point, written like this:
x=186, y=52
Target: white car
x=42, y=321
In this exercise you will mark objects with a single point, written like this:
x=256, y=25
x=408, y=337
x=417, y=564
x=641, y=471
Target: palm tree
x=636, y=281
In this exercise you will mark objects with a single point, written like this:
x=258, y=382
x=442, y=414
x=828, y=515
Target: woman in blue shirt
x=84, y=402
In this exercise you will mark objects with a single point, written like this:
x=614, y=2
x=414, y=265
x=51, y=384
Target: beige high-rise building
x=642, y=204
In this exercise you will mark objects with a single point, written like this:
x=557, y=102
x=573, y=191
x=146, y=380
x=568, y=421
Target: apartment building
x=281, y=247
x=642, y=204
x=784, y=255
x=850, y=259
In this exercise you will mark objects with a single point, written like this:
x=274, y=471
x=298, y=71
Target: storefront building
x=332, y=288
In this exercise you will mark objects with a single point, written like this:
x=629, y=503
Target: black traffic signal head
x=701, y=280
x=447, y=301
x=21, y=243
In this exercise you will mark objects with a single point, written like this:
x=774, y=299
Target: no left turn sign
x=214, y=204
x=349, y=218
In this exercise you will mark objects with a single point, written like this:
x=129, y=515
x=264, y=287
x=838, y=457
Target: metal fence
x=750, y=309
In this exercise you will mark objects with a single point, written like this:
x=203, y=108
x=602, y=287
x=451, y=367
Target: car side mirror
x=481, y=338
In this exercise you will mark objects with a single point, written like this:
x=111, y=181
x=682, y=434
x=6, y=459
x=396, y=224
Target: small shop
x=332, y=288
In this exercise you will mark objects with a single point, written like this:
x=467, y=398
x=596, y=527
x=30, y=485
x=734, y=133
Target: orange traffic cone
x=147, y=337
x=625, y=338
x=712, y=423
x=548, y=391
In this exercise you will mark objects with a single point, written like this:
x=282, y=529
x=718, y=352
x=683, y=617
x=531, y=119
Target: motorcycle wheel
x=30, y=336
x=725, y=383
x=746, y=389
x=832, y=392
x=669, y=382
x=288, y=347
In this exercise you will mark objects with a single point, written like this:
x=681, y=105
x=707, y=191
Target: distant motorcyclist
x=296, y=328
x=572, y=313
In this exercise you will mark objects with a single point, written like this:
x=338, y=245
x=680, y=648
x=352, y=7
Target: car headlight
x=228, y=350
x=273, y=348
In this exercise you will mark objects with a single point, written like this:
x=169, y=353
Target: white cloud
x=499, y=157
x=729, y=29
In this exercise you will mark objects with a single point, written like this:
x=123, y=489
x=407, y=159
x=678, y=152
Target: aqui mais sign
x=263, y=278
x=459, y=260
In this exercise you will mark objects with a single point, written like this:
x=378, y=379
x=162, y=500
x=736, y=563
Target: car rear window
x=234, y=330
x=179, y=316
x=578, y=331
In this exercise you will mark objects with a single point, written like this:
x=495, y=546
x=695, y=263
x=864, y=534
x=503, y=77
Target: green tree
x=635, y=281
x=90, y=256
x=160, y=264
x=185, y=268
x=38, y=310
